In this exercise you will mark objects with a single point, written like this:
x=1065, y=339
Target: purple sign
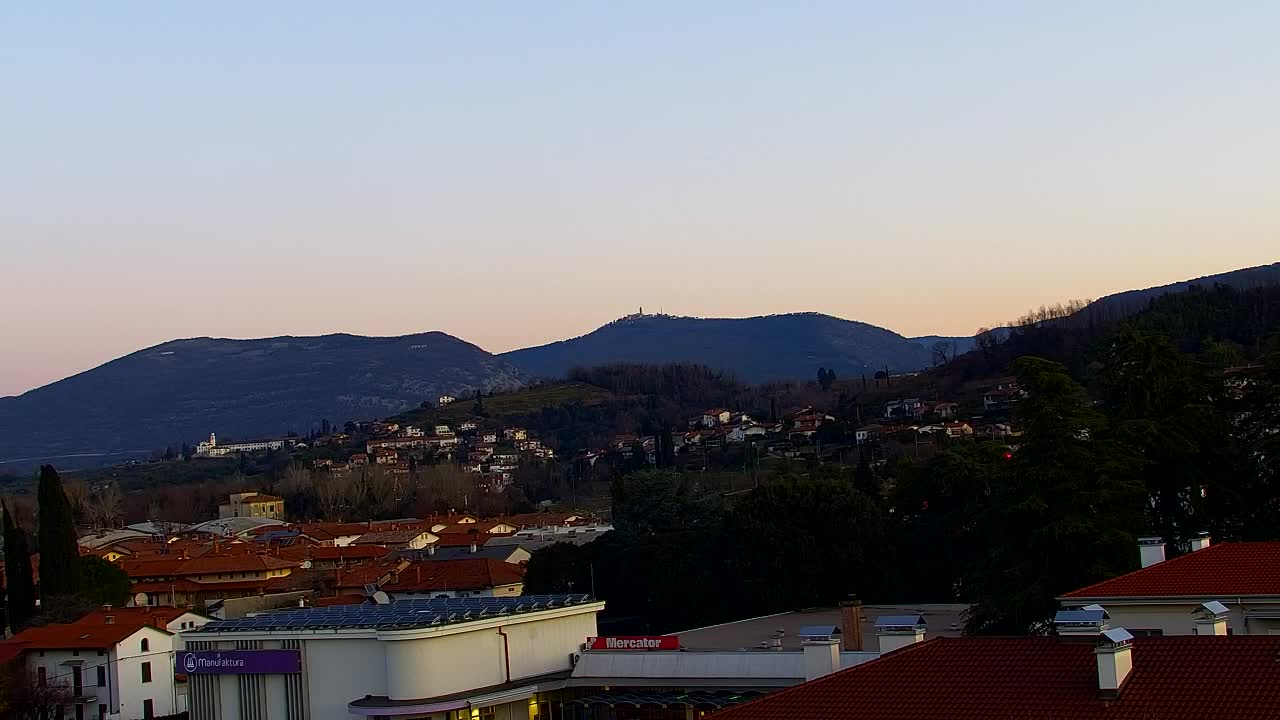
x=239, y=662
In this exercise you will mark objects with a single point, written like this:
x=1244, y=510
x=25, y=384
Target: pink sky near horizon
x=524, y=176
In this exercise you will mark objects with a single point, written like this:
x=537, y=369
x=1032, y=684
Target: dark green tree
x=668, y=457
x=1065, y=514
x=56, y=537
x=559, y=568
x=799, y=541
x=18, y=580
x=101, y=582
x=1161, y=404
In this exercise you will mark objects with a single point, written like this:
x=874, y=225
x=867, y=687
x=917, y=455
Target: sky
x=517, y=173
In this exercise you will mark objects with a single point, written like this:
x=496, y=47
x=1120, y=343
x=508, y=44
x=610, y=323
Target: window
x=148, y=709
x=102, y=676
x=146, y=672
x=102, y=712
x=77, y=682
x=79, y=712
x=40, y=676
x=146, y=645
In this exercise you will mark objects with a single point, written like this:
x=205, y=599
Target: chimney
x=474, y=547
x=898, y=631
x=1211, y=619
x=431, y=550
x=1150, y=550
x=851, y=623
x=1199, y=542
x=1115, y=660
x=821, y=657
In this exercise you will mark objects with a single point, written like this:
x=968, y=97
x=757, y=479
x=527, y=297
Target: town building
x=492, y=658
x=1109, y=675
x=252, y=505
x=179, y=580
x=458, y=578
x=211, y=448
x=1166, y=597
x=108, y=670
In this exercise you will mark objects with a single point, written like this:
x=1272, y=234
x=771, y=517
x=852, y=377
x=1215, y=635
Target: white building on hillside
x=211, y=448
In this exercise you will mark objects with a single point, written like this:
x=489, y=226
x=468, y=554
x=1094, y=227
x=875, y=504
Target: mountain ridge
x=734, y=344
x=183, y=389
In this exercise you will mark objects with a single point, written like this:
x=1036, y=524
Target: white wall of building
x=339, y=671
x=129, y=659
x=1179, y=618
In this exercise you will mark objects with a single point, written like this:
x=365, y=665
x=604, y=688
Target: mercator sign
x=634, y=642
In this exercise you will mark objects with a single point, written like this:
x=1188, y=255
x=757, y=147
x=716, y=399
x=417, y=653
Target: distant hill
x=185, y=389
x=1124, y=304
x=757, y=349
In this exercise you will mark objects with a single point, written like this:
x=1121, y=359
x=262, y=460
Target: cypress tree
x=21, y=596
x=57, y=536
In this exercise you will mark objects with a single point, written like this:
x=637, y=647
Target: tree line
x=1174, y=447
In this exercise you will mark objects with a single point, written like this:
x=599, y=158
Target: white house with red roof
x=1166, y=596
x=110, y=671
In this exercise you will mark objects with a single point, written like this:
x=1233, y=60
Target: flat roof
x=405, y=614
x=946, y=620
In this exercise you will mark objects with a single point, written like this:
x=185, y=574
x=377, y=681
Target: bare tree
x=939, y=352
x=30, y=698
x=78, y=495
x=331, y=493
x=108, y=506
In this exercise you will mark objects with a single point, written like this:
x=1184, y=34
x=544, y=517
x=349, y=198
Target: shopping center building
x=512, y=658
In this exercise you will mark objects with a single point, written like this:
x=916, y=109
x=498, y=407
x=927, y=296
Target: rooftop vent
x=1211, y=619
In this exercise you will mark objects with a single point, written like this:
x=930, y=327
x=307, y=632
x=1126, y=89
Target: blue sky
x=514, y=173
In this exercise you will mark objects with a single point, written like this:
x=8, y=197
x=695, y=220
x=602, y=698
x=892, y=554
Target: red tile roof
x=1040, y=678
x=77, y=636
x=170, y=566
x=156, y=616
x=463, y=574
x=1218, y=571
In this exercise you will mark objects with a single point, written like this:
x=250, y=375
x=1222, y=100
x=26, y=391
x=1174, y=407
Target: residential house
x=904, y=408
x=1168, y=596
x=710, y=418
x=442, y=431
x=180, y=580
x=253, y=505
x=868, y=434
x=467, y=426
x=515, y=433
x=111, y=671
x=489, y=437
x=171, y=619
x=465, y=577
x=1002, y=396
x=445, y=400
x=940, y=410
x=406, y=539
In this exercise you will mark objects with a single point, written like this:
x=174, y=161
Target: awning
x=523, y=689
x=703, y=699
